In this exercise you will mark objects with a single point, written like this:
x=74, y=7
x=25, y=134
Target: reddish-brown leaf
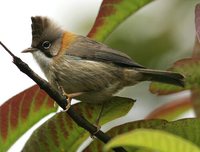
x=63, y=134
x=111, y=14
x=171, y=110
x=20, y=112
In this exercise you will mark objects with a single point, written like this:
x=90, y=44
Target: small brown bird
x=85, y=69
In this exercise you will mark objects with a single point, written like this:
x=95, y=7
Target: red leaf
x=106, y=9
x=171, y=110
x=111, y=14
x=20, y=112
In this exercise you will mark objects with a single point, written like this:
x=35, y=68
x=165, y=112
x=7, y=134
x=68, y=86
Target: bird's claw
x=69, y=99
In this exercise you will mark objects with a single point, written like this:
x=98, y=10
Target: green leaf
x=188, y=129
x=21, y=112
x=171, y=110
x=60, y=133
x=111, y=14
x=189, y=67
x=97, y=146
x=153, y=139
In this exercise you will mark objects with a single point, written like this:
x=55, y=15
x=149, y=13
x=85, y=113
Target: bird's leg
x=99, y=116
x=97, y=121
x=68, y=95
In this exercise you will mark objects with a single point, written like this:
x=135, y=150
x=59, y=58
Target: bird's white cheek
x=43, y=61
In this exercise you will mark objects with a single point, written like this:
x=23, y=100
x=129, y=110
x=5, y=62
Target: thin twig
x=7, y=49
x=60, y=99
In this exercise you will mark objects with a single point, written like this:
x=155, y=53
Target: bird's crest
x=43, y=28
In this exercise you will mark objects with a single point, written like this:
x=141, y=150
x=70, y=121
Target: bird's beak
x=29, y=50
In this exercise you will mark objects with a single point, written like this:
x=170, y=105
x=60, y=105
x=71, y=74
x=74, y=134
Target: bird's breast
x=84, y=75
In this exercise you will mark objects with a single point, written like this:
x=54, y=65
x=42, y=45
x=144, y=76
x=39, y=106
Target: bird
x=85, y=69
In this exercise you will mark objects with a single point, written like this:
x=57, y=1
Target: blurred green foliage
x=158, y=34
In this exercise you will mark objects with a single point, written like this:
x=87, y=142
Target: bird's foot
x=69, y=97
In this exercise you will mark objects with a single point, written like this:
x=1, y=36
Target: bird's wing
x=89, y=49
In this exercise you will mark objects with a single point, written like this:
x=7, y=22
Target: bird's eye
x=46, y=44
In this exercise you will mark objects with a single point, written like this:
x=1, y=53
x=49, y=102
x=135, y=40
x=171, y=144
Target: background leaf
x=171, y=110
x=62, y=134
x=185, y=128
x=153, y=139
x=21, y=112
x=111, y=14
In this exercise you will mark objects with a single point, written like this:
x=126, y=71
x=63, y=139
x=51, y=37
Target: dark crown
x=39, y=24
x=44, y=29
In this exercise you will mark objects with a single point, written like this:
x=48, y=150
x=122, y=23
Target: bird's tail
x=162, y=76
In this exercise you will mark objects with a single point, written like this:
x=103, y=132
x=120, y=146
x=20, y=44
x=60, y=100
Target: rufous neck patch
x=67, y=39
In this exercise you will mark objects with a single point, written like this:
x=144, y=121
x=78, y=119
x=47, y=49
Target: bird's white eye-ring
x=46, y=44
